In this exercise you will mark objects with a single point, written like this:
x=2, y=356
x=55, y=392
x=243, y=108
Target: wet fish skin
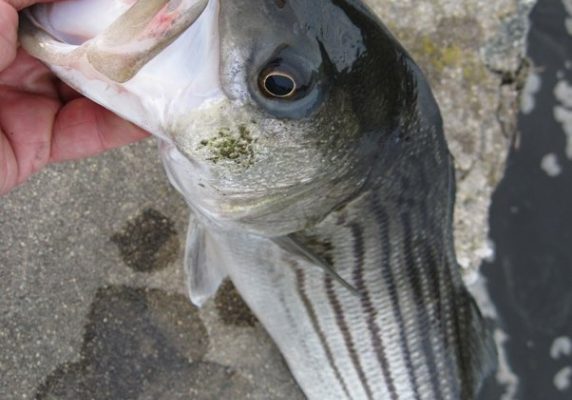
x=414, y=332
x=357, y=171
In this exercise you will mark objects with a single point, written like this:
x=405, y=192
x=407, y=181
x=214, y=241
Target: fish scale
x=341, y=339
x=443, y=385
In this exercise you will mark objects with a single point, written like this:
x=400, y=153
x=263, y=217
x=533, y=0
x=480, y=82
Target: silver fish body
x=316, y=143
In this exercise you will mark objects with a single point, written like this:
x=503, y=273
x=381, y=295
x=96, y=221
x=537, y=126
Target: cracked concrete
x=64, y=275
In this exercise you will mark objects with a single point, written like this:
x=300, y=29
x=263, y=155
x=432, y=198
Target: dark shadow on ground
x=530, y=280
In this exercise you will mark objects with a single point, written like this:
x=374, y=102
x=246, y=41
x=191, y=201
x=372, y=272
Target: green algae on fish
x=234, y=146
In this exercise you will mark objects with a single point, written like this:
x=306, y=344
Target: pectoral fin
x=294, y=246
x=203, y=265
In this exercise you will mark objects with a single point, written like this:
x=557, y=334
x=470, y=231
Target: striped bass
x=311, y=152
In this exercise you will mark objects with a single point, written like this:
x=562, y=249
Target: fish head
x=270, y=113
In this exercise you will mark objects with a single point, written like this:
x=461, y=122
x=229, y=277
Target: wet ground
x=93, y=303
x=530, y=278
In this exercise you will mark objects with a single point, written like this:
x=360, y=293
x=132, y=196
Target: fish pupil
x=279, y=85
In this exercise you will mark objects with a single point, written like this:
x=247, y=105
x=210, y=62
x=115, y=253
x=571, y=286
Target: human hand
x=42, y=120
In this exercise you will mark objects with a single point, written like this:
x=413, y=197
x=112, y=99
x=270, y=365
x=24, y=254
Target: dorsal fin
x=203, y=266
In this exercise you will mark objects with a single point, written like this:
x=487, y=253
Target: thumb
x=83, y=128
x=20, y=4
x=9, y=28
x=8, y=34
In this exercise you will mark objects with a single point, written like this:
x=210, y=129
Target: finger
x=66, y=93
x=28, y=134
x=8, y=166
x=8, y=28
x=29, y=75
x=83, y=128
x=20, y=4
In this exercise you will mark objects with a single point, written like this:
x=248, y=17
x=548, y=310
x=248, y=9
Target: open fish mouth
x=127, y=39
x=127, y=55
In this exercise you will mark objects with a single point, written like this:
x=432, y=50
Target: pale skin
x=42, y=120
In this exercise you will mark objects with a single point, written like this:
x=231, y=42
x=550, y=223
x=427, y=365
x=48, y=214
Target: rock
x=473, y=53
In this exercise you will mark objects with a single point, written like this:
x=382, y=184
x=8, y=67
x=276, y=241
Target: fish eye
x=278, y=84
x=287, y=84
x=285, y=80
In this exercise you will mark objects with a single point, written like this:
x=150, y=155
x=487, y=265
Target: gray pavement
x=84, y=316
x=92, y=297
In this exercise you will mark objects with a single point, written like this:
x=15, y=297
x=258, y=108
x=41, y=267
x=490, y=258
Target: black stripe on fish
x=428, y=255
x=444, y=329
x=462, y=305
x=346, y=334
x=301, y=281
x=415, y=273
x=382, y=221
x=462, y=327
x=369, y=310
x=442, y=285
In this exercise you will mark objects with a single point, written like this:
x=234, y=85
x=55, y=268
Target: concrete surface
x=92, y=296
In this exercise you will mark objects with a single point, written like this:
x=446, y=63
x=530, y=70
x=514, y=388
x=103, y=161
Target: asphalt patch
x=149, y=242
x=143, y=344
